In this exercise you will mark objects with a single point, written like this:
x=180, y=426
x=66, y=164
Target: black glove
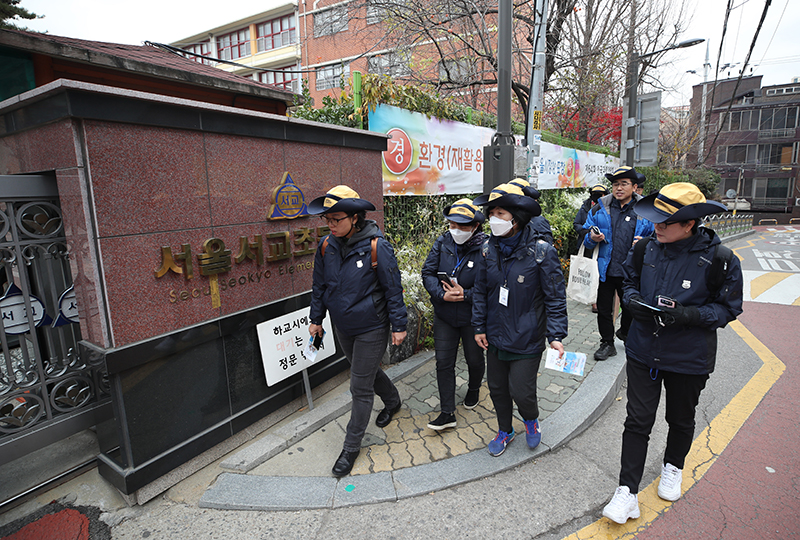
x=682, y=315
x=639, y=312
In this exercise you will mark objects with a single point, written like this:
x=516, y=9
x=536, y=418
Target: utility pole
x=702, y=142
x=498, y=158
x=533, y=132
x=633, y=82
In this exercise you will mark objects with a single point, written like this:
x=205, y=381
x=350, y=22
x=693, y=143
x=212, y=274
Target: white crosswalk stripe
x=772, y=287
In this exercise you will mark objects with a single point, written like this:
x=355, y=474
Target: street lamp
x=633, y=82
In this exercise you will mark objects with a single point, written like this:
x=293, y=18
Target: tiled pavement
x=407, y=441
x=406, y=458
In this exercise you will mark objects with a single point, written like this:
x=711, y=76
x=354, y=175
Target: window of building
x=766, y=119
x=391, y=64
x=375, y=14
x=331, y=76
x=775, y=154
x=331, y=21
x=203, y=48
x=740, y=120
x=784, y=118
x=276, y=33
x=234, y=45
x=755, y=119
x=282, y=78
x=736, y=154
x=461, y=71
x=771, y=191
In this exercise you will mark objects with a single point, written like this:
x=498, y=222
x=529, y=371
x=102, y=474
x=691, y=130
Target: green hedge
x=412, y=224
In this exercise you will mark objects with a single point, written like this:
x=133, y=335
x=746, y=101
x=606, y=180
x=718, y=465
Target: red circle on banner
x=397, y=157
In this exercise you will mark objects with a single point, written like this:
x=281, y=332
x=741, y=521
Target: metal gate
x=46, y=391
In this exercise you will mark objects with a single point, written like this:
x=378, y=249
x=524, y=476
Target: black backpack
x=719, y=264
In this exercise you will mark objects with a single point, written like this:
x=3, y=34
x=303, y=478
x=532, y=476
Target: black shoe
x=605, y=350
x=444, y=421
x=621, y=335
x=385, y=416
x=345, y=463
x=471, y=399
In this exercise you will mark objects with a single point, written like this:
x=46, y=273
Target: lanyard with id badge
x=504, y=287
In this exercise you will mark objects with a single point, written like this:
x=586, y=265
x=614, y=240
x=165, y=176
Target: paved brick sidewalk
x=408, y=442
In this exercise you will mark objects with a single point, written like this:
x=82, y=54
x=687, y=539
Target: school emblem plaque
x=287, y=200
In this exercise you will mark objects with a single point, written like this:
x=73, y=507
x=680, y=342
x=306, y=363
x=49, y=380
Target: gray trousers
x=364, y=352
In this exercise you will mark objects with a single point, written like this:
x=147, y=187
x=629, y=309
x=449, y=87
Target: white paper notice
x=572, y=362
x=283, y=342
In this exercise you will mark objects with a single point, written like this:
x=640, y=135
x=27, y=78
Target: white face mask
x=499, y=226
x=461, y=236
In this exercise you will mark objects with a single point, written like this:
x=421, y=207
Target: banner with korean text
x=427, y=156
x=562, y=167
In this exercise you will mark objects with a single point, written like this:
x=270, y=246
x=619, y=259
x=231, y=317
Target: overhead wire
x=719, y=59
x=775, y=32
x=767, y=3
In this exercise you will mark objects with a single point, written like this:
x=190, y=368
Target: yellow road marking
x=750, y=243
x=705, y=449
x=765, y=282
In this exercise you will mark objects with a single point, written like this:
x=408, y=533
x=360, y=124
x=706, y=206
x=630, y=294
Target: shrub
x=412, y=224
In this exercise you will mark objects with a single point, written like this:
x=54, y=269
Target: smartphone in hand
x=664, y=301
x=444, y=278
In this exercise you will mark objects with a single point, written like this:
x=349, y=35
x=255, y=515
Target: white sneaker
x=623, y=506
x=669, y=488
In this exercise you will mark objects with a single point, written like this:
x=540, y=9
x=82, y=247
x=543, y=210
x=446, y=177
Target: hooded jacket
x=680, y=271
x=600, y=215
x=358, y=298
x=537, y=302
x=443, y=257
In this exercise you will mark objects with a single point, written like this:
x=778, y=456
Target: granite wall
x=145, y=180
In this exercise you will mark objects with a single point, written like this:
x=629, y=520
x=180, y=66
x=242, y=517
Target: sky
x=776, y=54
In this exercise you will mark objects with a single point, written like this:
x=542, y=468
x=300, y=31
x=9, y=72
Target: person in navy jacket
x=365, y=303
x=676, y=346
x=620, y=228
x=455, y=253
x=518, y=300
x=539, y=223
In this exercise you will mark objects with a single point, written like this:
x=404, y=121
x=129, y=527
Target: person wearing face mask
x=455, y=253
x=364, y=297
x=519, y=300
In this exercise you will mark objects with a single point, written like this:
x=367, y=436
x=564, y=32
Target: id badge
x=454, y=279
x=503, y=296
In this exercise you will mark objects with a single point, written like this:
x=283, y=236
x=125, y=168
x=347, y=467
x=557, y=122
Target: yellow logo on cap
x=463, y=207
x=505, y=189
x=337, y=193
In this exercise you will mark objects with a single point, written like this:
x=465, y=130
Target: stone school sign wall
x=186, y=228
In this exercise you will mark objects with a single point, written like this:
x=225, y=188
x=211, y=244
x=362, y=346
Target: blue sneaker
x=532, y=433
x=498, y=445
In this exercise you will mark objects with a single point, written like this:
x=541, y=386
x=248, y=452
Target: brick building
x=326, y=41
x=752, y=139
